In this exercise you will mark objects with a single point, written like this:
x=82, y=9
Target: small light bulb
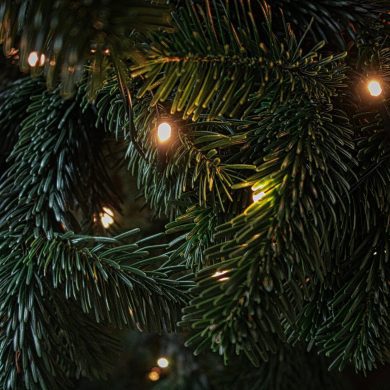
x=107, y=221
x=154, y=376
x=34, y=60
x=258, y=196
x=217, y=274
x=164, y=131
x=163, y=362
x=375, y=88
x=42, y=60
x=106, y=217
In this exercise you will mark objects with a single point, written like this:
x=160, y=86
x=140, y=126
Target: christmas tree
x=257, y=131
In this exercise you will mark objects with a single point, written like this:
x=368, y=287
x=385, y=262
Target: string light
x=106, y=217
x=34, y=59
x=164, y=131
x=217, y=274
x=154, y=376
x=258, y=196
x=163, y=362
x=375, y=88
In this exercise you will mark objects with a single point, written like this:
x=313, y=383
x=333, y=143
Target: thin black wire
x=128, y=106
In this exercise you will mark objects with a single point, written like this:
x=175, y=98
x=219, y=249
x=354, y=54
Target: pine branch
x=51, y=185
x=336, y=22
x=295, y=177
x=356, y=329
x=82, y=32
x=52, y=181
x=14, y=102
x=374, y=156
x=275, y=252
x=108, y=280
x=237, y=310
x=289, y=368
x=193, y=166
x=196, y=227
x=221, y=61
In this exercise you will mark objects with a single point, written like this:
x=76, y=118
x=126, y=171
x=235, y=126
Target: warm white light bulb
x=34, y=59
x=106, y=217
x=258, y=196
x=163, y=362
x=375, y=88
x=42, y=60
x=154, y=376
x=217, y=274
x=164, y=131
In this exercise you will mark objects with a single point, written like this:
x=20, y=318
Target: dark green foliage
x=50, y=179
x=348, y=319
x=190, y=168
x=259, y=105
x=334, y=21
x=356, y=330
x=14, y=103
x=56, y=181
x=101, y=280
x=290, y=368
x=237, y=310
x=69, y=34
x=195, y=228
x=196, y=160
x=220, y=60
x=303, y=145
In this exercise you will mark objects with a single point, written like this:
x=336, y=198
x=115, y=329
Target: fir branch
x=193, y=166
x=196, y=233
x=221, y=61
x=289, y=368
x=54, y=168
x=336, y=22
x=105, y=281
x=237, y=310
x=197, y=164
x=281, y=240
x=14, y=102
x=82, y=32
x=355, y=329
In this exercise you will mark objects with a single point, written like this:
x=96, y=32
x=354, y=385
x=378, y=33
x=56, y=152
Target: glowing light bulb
x=375, y=88
x=163, y=362
x=42, y=60
x=34, y=59
x=106, y=217
x=258, y=196
x=217, y=274
x=164, y=131
x=154, y=376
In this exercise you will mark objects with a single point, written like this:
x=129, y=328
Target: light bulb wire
x=128, y=106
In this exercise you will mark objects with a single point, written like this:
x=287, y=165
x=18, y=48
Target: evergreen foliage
x=264, y=99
